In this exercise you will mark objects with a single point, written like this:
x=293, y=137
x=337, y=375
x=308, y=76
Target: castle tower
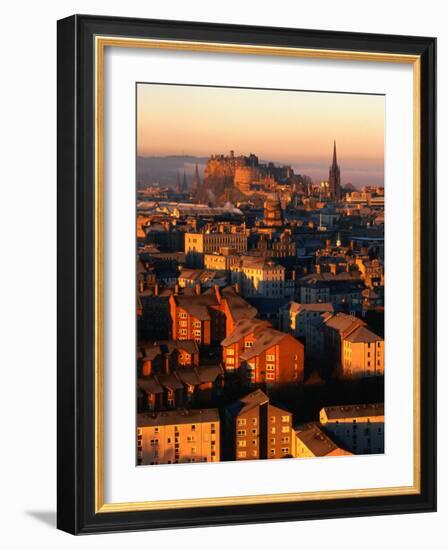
x=334, y=180
x=273, y=213
x=196, y=183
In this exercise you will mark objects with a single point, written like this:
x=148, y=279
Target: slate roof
x=242, y=329
x=354, y=411
x=270, y=337
x=363, y=335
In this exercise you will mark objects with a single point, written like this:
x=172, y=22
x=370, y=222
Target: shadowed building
x=255, y=429
x=359, y=428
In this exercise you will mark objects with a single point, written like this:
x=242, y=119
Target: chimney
x=328, y=243
x=176, y=289
x=218, y=293
x=156, y=289
x=197, y=288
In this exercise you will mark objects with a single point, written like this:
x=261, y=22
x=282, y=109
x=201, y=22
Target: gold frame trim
x=101, y=42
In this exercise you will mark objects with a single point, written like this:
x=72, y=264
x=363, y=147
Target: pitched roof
x=238, y=307
x=342, y=321
x=269, y=337
x=168, y=418
x=197, y=305
x=150, y=384
x=151, y=351
x=316, y=440
x=248, y=402
x=243, y=328
x=363, y=335
x=297, y=307
x=170, y=381
x=209, y=373
x=354, y=411
x=188, y=376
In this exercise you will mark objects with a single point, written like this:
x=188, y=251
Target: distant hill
x=164, y=170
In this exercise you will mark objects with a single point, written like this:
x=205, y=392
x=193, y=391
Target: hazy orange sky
x=291, y=127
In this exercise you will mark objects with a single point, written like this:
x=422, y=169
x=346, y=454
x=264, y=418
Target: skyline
x=296, y=127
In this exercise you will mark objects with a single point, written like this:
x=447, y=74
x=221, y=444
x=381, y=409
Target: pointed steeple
x=335, y=162
x=178, y=186
x=196, y=183
x=184, y=183
x=334, y=179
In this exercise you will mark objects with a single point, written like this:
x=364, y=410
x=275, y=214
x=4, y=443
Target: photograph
x=260, y=262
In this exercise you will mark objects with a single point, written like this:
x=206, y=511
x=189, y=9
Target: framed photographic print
x=246, y=271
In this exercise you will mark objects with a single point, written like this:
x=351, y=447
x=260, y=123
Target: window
x=254, y=421
x=270, y=357
x=230, y=351
x=241, y=454
x=270, y=367
x=241, y=421
x=273, y=419
x=285, y=429
x=242, y=443
x=241, y=432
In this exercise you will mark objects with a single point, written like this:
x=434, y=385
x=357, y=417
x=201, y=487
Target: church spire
x=184, y=182
x=335, y=162
x=196, y=183
x=178, y=186
x=334, y=179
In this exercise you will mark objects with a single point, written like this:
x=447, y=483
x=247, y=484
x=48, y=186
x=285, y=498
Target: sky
x=291, y=127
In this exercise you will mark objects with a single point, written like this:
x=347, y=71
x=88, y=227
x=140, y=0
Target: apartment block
x=358, y=428
x=256, y=429
x=172, y=437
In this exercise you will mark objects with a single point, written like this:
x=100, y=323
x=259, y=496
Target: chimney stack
x=218, y=293
x=197, y=288
x=176, y=289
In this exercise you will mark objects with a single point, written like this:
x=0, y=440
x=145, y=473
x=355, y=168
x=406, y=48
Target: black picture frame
x=76, y=254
